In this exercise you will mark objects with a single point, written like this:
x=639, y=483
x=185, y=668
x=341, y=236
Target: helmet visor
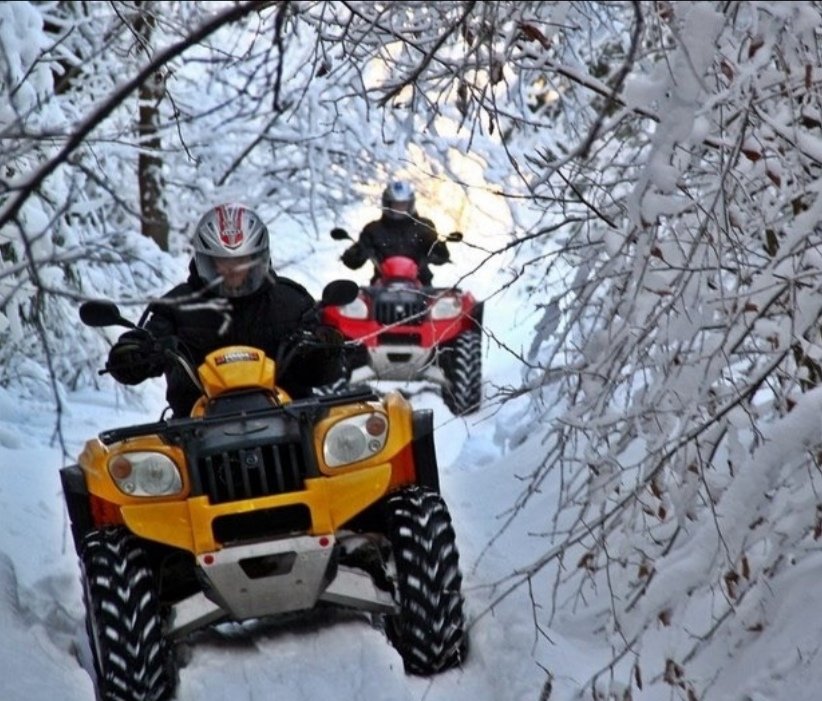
x=232, y=277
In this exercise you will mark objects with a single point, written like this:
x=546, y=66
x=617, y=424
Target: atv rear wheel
x=132, y=659
x=462, y=367
x=429, y=632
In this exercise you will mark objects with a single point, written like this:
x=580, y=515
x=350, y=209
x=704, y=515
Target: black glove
x=134, y=358
x=317, y=357
x=328, y=335
x=438, y=255
x=354, y=256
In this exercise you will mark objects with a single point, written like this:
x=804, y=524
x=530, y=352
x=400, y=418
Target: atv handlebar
x=339, y=234
x=101, y=313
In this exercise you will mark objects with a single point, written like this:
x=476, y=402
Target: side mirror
x=102, y=313
x=339, y=234
x=454, y=236
x=340, y=292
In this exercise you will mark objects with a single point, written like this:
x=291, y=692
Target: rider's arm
x=318, y=358
x=160, y=323
x=436, y=250
x=358, y=253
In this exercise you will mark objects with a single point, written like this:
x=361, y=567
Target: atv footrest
x=356, y=589
x=191, y=614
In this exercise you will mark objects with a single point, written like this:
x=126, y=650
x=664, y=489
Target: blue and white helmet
x=398, y=200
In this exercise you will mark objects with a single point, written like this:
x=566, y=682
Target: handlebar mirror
x=102, y=313
x=339, y=292
x=339, y=234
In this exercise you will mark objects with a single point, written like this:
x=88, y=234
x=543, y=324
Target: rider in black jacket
x=400, y=231
x=232, y=296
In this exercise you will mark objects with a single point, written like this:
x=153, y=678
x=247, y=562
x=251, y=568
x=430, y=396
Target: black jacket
x=202, y=322
x=412, y=236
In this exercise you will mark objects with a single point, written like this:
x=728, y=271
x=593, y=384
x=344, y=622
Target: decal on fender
x=236, y=357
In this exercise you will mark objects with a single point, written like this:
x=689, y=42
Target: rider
x=400, y=231
x=232, y=297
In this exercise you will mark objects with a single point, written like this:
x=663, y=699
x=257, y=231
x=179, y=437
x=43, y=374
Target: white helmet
x=398, y=200
x=231, y=233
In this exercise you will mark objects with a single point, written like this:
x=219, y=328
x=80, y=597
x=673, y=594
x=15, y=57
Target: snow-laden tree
x=688, y=343
x=660, y=162
x=248, y=109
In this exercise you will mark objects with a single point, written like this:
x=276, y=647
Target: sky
x=341, y=654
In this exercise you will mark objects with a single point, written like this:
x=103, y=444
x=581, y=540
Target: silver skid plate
x=264, y=579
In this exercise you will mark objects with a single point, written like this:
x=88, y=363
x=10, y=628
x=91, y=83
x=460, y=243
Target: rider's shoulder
x=289, y=286
x=425, y=222
x=372, y=226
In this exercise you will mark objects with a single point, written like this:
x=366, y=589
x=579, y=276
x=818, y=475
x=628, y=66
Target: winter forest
x=641, y=178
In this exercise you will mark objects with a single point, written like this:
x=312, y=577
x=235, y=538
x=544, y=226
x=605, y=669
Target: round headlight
x=358, y=309
x=355, y=438
x=446, y=307
x=345, y=443
x=145, y=474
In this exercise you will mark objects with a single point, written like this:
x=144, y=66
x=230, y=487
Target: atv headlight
x=446, y=307
x=358, y=309
x=355, y=438
x=145, y=474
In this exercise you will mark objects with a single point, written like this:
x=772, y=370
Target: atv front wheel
x=429, y=631
x=132, y=659
x=462, y=367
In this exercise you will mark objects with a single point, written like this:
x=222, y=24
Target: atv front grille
x=246, y=473
x=405, y=309
x=399, y=339
x=261, y=523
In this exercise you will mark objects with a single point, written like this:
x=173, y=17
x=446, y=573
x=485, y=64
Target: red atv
x=402, y=330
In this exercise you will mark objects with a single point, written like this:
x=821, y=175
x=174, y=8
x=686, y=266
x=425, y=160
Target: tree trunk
x=150, y=164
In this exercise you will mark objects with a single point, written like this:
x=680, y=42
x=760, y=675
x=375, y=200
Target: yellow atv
x=258, y=505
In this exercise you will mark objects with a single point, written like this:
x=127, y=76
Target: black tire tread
x=429, y=632
x=132, y=660
x=463, y=370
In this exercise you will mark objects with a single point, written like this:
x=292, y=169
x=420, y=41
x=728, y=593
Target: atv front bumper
x=321, y=508
x=264, y=579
